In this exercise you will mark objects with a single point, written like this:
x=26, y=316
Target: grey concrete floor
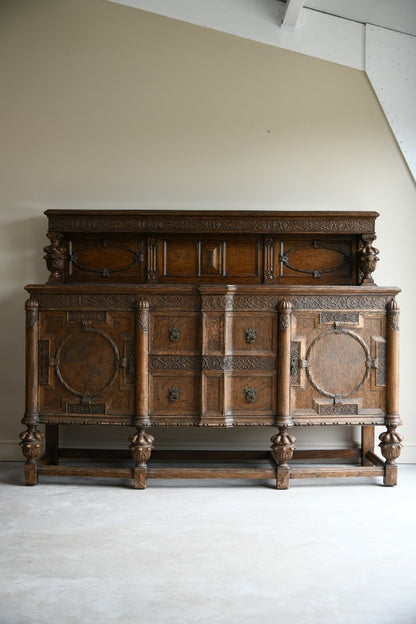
x=80, y=551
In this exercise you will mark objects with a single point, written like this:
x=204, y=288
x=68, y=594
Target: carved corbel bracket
x=55, y=257
x=367, y=259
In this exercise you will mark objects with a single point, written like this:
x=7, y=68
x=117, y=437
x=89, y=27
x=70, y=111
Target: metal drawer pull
x=174, y=394
x=174, y=334
x=250, y=394
x=251, y=334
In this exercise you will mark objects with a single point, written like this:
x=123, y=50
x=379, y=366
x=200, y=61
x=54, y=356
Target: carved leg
x=283, y=445
x=141, y=448
x=31, y=443
x=390, y=446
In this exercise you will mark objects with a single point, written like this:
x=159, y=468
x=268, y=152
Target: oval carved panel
x=87, y=362
x=337, y=363
x=316, y=259
x=105, y=258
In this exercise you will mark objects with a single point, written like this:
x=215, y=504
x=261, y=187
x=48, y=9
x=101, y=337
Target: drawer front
x=175, y=396
x=252, y=333
x=251, y=395
x=175, y=333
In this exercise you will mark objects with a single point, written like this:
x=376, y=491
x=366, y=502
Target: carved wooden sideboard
x=214, y=319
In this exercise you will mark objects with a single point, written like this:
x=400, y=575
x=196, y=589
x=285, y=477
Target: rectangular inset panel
x=211, y=258
x=179, y=257
x=174, y=395
x=242, y=258
x=213, y=394
x=213, y=333
x=105, y=259
x=175, y=333
x=255, y=333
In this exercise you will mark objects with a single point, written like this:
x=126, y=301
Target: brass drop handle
x=174, y=394
x=174, y=334
x=250, y=393
x=251, y=334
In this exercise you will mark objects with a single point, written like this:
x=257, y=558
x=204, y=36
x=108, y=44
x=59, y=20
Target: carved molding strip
x=218, y=363
x=174, y=302
x=255, y=302
x=175, y=362
x=339, y=317
x=108, y=302
x=210, y=224
x=85, y=408
x=340, y=302
x=338, y=410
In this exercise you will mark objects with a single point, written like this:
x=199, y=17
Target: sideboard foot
x=31, y=443
x=141, y=447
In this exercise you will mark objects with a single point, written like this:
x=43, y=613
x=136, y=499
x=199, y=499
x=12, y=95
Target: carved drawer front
x=175, y=398
x=338, y=367
x=106, y=259
x=252, y=333
x=252, y=395
x=222, y=259
x=86, y=364
x=175, y=333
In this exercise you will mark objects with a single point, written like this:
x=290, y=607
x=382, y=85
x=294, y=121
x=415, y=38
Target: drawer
x=252, y=333
x=175, y=333
x=252, y=394
x=175, y=394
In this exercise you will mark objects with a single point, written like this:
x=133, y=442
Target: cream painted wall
x=104, y=106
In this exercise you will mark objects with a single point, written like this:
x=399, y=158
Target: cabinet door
x=86, y=366
x=338, y=367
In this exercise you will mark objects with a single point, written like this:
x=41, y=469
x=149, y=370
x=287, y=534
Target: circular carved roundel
x=337, y=363
x=87, y=362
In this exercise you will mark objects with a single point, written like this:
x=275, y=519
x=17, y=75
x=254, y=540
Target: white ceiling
x=399, y=15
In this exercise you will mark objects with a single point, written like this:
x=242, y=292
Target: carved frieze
x=210, y=223
x=108, y=302
x=173, y=302
x=212, y=362
x=339, y=302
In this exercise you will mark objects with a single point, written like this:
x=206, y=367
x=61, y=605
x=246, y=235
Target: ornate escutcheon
x=174, y=394
x=250, y=393
x=251, y=334
x=174, y=334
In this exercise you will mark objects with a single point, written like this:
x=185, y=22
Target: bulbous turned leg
x=141, y=447
x=390, y=447
x=31, y=443
x=283, y=446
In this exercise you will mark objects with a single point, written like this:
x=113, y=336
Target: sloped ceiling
x=375, y=36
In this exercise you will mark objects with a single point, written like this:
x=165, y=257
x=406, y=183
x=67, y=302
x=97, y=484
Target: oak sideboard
x=211, y=319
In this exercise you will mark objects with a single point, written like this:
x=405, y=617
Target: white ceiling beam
x=292, y=13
